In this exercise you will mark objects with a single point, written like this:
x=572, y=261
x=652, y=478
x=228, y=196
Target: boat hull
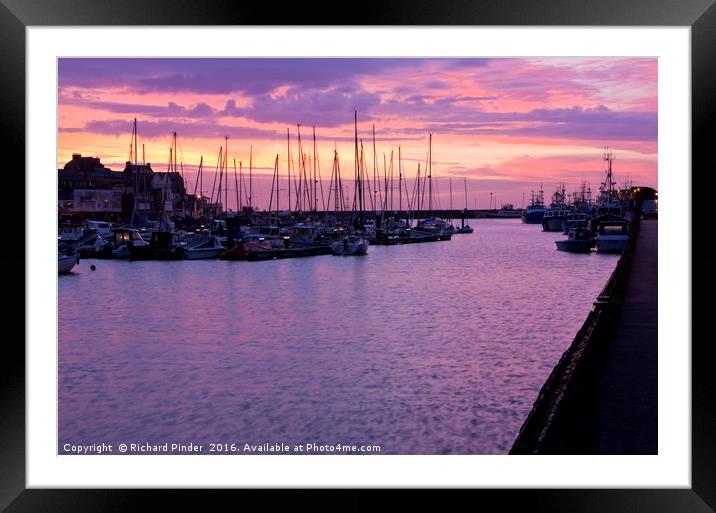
x=244, y=250
x=533, y=217
x=612, y=245
x=204, y=253
x=65, y=263
x=355, y=248
x=552, y=224
x=574, y=246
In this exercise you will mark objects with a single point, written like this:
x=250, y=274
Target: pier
x=601, y=397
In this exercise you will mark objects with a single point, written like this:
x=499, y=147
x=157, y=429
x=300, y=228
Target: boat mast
x=419, y=198
x=358, y=188
x=390, y=181
x=236, y=184
x=288, y=166
x=198, y=175
x=315, y=180
x=251, y=183
x=133, y=157
x=385, y=184
x=451, y=199
x=375, y=173
x=400, y=182
x=274, y=180
x=301, y=172
x=226, y=172
x=216, y=199
x=430, y=175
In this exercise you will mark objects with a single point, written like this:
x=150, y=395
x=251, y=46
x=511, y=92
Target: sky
x=500, y=127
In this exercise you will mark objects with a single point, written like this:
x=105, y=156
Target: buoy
x=93, y=267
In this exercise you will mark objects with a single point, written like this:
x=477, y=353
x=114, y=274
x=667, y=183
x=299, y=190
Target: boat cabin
x=578, y=234
x=122, y=236
x=613, y=228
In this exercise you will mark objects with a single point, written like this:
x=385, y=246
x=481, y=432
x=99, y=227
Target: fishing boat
x=612, y=236
x=608, y=195
x=507, y=210
x=574, y=220
x=535, y=210
x=350, y=245
x=553, y=218
x=577, y=241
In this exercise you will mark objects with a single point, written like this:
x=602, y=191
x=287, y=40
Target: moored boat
x=350, y=245
x=243, y=250
x=574, y=220
x=552, y=220
x=120, y=242
x=204, y=248
x=535, y=210
x=612, y=236
x=577, y=241
x=67, y=261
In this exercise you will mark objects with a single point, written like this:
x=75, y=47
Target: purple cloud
x=219, y=76
x=599, y=123
x=327, y=108
x=154, y=129
x=171, y=109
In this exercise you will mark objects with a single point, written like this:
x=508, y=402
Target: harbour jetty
x=601, y=397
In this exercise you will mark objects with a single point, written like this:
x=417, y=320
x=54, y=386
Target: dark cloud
x=155, y=129
x=171, y=109
x=217, y=76
x=599, y=123
x=326, y=108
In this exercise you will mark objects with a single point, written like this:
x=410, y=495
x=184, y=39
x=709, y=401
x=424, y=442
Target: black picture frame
x=700, y=15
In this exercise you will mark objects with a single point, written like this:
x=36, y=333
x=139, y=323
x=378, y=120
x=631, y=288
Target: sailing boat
x=449, y=228
x=432, y=225
x=354, y=243
x=350, y=244
x=465, y=228
x=163, y=244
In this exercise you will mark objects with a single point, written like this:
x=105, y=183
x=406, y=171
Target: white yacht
x=65, y=262
x=203, y=248
x=350, y=245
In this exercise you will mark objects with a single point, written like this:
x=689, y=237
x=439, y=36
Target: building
x=104, y=204
x=86, y=173
x=86, y=189
x=169, y=195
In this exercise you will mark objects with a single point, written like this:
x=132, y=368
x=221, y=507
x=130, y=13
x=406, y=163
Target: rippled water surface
x=437, y=348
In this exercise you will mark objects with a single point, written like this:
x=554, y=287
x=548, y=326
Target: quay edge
x=601, y=397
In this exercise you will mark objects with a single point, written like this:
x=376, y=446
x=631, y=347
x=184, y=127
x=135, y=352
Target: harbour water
x=436, y=348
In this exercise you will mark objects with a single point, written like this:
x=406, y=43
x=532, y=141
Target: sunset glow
x=507, y=125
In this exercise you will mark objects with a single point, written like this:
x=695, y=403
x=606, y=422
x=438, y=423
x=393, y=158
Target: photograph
x=357, y=256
